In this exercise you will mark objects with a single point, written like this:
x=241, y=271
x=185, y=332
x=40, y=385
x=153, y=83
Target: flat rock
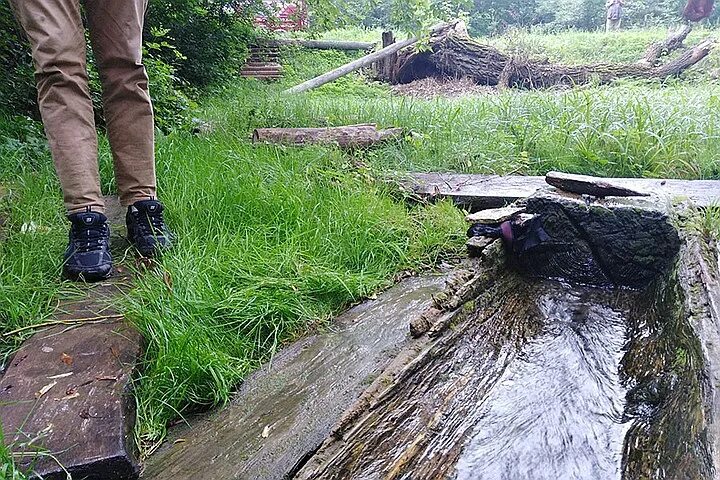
x=67, y=388
x=494, y=215
x=476, y=245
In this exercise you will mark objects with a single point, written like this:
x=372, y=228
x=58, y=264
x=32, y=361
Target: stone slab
x=477, y=192
x=287, y=409
x=494, y=215
x=66, y=392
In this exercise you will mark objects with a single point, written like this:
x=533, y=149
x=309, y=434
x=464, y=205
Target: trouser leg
x=57, y=39
x=116, y=37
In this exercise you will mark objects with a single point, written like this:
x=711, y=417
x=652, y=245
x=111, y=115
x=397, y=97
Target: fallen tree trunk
x=351, y=67
x=369, y=59
x=325, y=44
x=672, y=42
x=346, y=136
x=453, y=54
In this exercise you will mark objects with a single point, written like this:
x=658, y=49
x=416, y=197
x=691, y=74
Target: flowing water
x=557, y=409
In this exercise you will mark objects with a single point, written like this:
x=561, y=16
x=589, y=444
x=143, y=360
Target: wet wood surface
x=476, y=192
x=284, y=411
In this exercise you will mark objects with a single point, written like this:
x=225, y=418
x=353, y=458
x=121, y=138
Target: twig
x=71, y=321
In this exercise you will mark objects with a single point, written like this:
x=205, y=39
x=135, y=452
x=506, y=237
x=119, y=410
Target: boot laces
x=151, y=223
x=89, y=238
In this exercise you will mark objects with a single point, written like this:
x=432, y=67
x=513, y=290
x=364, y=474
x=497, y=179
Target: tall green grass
x=270, y=241
x=631, y=129
x=8, y=468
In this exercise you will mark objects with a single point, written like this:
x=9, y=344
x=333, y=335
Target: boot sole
x=87, y=275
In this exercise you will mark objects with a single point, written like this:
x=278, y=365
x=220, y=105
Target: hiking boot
x=87, y=256
x=146, y=227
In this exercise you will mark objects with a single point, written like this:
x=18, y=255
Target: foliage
x=17, y=88
x=492, y=17
x=188, y=45
x=210, y=35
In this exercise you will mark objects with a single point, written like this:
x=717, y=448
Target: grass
x=8, y=468
x=273, y=241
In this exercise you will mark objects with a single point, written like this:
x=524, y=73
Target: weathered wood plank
x=288, y=408
x=476, y=192
x=68, y=390
x=587, y=185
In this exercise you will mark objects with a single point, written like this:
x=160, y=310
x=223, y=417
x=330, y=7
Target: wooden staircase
x=263, y=63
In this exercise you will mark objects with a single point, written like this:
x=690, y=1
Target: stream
x=557, y=409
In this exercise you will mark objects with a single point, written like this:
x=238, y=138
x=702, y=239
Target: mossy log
x=454, y=54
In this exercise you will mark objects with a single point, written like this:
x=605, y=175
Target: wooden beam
x=477, y=192
x=325, y=44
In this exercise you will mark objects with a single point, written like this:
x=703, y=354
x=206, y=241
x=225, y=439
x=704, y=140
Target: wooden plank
x=289, y=407
x=587, y=185
x=68, y=390
x=476, y=192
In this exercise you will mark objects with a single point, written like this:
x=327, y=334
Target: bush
x=17, y=88
x=209, y=34
x=189, y=44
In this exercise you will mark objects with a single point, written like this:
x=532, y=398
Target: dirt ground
x=428, y=88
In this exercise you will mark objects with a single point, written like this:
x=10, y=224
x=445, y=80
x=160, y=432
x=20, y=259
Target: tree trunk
x=454, y=54
x=351, y=67
x=347, y=136
x=325, y=44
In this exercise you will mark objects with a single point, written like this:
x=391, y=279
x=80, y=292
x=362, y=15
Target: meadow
x=273, y=241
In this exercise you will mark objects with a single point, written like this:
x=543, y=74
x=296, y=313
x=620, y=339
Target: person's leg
x=57, y=38
x=116, y=36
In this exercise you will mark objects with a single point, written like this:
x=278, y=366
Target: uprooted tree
x=452, y=53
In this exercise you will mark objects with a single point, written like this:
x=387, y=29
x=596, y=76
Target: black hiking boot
x=87, y=256
x=146, y=228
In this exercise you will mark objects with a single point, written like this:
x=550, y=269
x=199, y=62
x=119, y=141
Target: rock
x=494, y=215
x=475, y=245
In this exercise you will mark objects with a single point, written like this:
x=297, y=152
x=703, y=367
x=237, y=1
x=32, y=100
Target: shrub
x=211, y=36
x=17, y=88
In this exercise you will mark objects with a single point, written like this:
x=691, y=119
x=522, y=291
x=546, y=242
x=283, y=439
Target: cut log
x=325, y=44
x=453, y=54
x=587, y=185
x=347, y=136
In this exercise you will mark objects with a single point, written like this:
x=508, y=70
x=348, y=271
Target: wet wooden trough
x=610, y=369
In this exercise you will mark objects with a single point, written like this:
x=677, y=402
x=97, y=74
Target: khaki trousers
x=57, y=39
x=612, y=25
